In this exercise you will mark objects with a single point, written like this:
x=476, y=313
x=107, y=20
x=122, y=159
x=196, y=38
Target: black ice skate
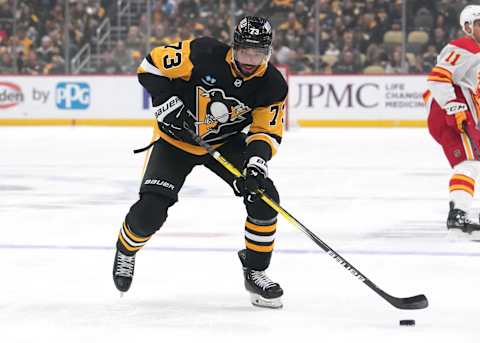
x=458, y=220
x=123, y=267
x=263, y=291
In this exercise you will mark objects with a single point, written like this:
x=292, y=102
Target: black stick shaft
x=410, y=303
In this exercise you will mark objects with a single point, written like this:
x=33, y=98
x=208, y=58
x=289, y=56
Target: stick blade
x=416, y=302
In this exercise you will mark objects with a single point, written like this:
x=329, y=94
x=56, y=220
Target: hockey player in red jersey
x=452, y=100
x=216, y=91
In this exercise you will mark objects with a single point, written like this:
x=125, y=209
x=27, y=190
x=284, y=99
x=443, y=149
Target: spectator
x=31, y=64
x=5, y=10
x=110, y=64
x=439, y=38
x=348, y=63
x=430, y=58
x=301, y=12
x=6, y=62
x=332, y=50
x=394, y=65
x=298, y=61
x=423, y=20
x=291, y=24
x=46, y=50
x=135, y=60
x=370, y=27
x=122, y=56
x=351, y=25
x=135, y=39
x=56, y=66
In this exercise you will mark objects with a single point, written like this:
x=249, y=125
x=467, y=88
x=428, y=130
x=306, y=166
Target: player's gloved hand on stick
x=456, y=115
x=254, y=177
x=170, y=118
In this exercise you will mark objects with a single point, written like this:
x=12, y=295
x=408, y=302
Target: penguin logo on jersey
x=215, y=110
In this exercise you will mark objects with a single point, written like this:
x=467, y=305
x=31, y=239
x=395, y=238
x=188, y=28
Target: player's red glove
x=457, y=115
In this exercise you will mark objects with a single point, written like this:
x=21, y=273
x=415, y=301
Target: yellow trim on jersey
x=236, y=73
x=258, y=248
x=190, y=148
x=266, y=138
x=461, y=188
x=149, y=122
x=269, y=119
x=442, y=71
x=467, y=147
x=172, y=61
x=439, y=79
x=476, y=104
x=258, y=228
x=426, y=96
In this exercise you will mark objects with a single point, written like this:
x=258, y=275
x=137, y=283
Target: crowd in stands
x=355, y=36
x=32, y=33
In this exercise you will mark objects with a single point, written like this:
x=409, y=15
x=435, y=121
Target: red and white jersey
x=456, y=75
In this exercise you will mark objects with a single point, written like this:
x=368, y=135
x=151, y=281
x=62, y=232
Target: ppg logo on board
x=72, y=95
x=10, y=95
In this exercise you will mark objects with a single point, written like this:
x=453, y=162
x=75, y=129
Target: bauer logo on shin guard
x=161, y=183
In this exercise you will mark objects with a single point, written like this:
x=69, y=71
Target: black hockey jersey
x=218, y=101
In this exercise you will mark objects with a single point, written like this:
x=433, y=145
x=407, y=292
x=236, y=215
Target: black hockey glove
x=254, y=177
x=171, y=116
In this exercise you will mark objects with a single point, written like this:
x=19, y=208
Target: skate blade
x=260, y=301
x=455, y=235
x=474, y=236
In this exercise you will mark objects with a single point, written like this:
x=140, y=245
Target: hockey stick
x=411, y=303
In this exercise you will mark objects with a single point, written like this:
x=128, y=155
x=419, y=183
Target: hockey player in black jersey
x=216, y=91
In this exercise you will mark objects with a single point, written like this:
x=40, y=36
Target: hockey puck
x=407, y=322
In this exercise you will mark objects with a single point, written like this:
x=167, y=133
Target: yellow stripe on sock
x=133, y=236
x=126, y=245
x=258, y=248
x=258, y=228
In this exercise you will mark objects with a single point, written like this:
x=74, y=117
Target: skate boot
x=263, y=291
x=123, y=267
x=458, y=220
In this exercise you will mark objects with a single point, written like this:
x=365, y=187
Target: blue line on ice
x=281, y=251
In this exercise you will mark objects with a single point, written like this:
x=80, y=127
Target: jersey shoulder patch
x=466, y=43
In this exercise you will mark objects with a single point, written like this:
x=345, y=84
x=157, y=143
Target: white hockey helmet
x=468, y=15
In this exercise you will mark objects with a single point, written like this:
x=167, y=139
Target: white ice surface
x=377, y=196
